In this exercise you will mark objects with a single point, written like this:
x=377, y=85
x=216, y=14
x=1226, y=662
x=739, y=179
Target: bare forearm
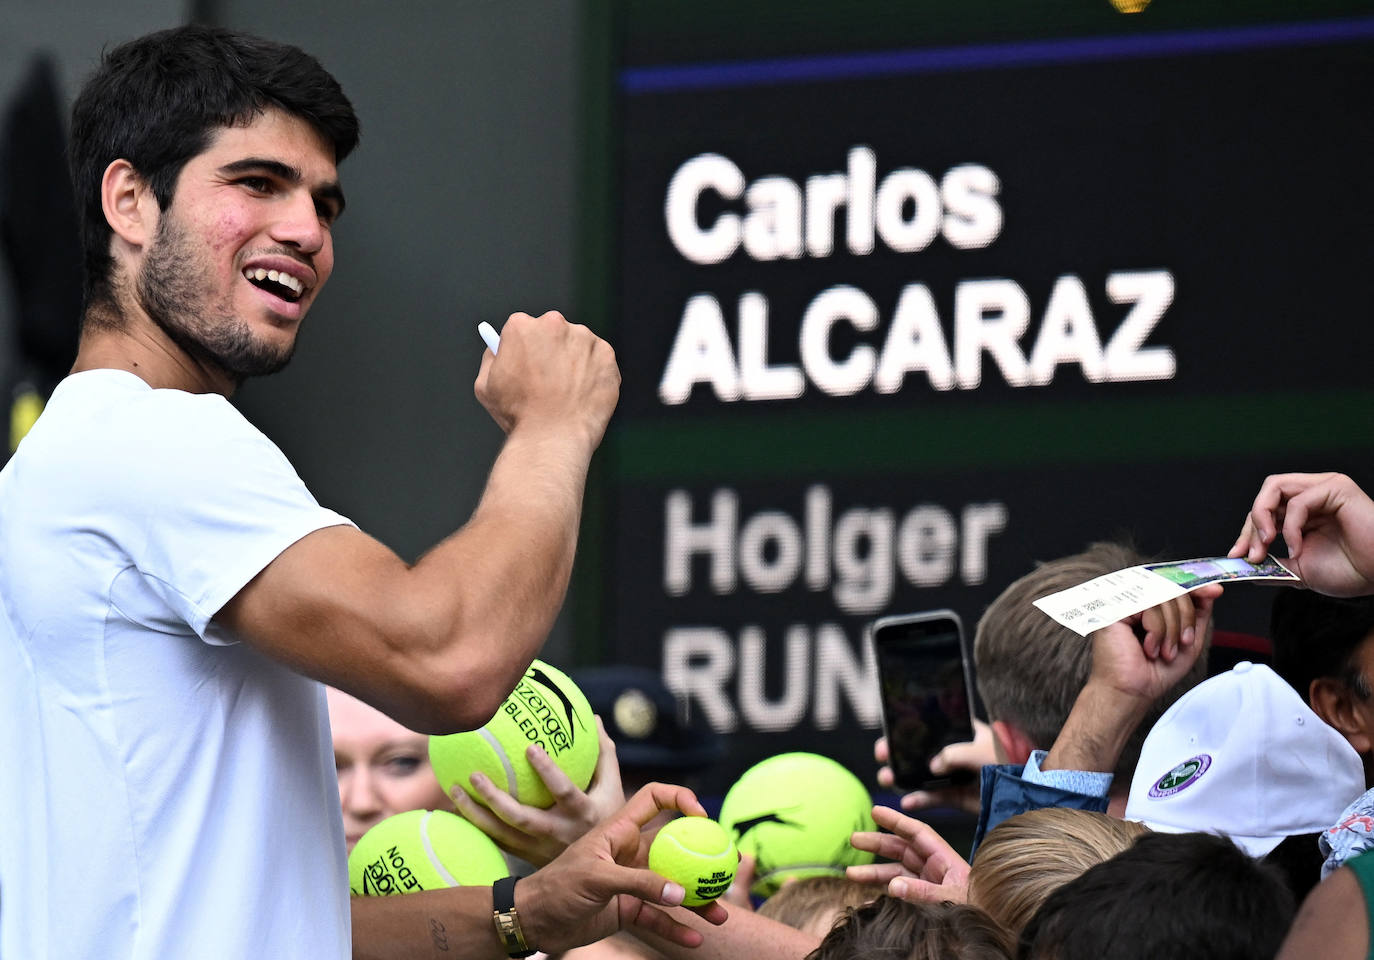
x=1096, y=731
x=501, y=579
x=745, y=934
x=452, y=924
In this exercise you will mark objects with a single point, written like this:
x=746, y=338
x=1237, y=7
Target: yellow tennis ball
x=422, y=850
x=698, y=854
x=793, y=813
x=545, y=708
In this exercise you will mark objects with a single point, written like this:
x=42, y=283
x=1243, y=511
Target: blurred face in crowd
x=1347, y=703
x=1362, y=691
x=383, y=767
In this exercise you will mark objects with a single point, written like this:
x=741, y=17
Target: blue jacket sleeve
x=1005, y=793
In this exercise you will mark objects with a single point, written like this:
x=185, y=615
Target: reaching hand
x=1128, y=676
x=1147, y=669
x=599, y=885
x=538, y=835
x=1328, y=527
x=972, y=756
x=925, y=867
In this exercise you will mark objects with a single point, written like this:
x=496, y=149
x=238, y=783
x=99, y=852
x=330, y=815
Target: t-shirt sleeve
x=215, y=503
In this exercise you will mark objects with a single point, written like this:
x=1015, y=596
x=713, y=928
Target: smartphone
x=925, y=690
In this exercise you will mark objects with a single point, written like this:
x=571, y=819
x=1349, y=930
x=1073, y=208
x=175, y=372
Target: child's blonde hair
x=1027, y=857
x=813, y=904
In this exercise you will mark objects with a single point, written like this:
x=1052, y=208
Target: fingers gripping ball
x=422, y=850
x=544, y=708
x=793, y=813
x=698, y=854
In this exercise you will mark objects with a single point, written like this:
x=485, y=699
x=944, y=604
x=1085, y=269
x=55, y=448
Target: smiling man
x=171, y=594
x=221, y=279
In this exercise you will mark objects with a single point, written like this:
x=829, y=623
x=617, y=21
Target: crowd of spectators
x=1243, y=795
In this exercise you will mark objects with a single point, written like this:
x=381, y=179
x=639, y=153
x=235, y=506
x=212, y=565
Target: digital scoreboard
x=901, y=312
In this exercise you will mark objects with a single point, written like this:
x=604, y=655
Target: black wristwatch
x=506, y=920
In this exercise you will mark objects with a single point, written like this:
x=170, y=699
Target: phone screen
x=925, y=696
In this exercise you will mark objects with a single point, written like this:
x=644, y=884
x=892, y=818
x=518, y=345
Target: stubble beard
x=171, y=288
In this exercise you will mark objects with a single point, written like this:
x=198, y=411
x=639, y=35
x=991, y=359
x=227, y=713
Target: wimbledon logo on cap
x=1180, y=777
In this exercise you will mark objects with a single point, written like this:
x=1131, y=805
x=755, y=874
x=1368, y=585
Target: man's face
x=244, y=248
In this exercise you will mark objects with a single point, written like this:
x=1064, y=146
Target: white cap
x=1242, y=755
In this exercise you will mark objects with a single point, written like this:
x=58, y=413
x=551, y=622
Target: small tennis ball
x=545, y=708
x=793, y=813
x=422, y=850
x=696, y=853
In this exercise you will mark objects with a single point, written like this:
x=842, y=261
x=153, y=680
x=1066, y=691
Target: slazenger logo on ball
x=560, y=734
x=381, y=878
x=1180, y=777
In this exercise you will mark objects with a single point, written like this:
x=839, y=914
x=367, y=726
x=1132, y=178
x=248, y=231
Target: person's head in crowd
x=1324, y=649
x=813, y=904
x=896, y=929
x=655, y=737
x=160, y=102
x=1031, y=669
x=1185, y=896
x=1241, y=754
x=1027, y=857
x=383, y=767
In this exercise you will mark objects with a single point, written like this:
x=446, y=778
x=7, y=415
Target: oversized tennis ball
x=696, y=853
x=544, y=708
x=793, y=813
x=422, y=850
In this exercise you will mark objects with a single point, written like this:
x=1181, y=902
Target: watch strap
x=506, y=919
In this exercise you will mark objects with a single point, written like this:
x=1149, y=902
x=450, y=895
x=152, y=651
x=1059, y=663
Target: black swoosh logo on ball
x=543, y=679
x=744, y=826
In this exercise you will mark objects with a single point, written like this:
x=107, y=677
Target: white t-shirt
x=164, y=791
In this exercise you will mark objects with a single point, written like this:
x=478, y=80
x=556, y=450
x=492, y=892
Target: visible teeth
x=276, y=276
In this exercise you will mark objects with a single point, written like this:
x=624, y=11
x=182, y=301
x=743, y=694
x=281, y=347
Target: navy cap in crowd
x=650, y=726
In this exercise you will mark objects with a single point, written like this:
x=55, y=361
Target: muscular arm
x=437, y=645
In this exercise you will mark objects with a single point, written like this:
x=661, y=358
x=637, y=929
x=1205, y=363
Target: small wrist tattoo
x=439, y=935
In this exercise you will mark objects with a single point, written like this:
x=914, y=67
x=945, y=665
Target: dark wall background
x=70, y=36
